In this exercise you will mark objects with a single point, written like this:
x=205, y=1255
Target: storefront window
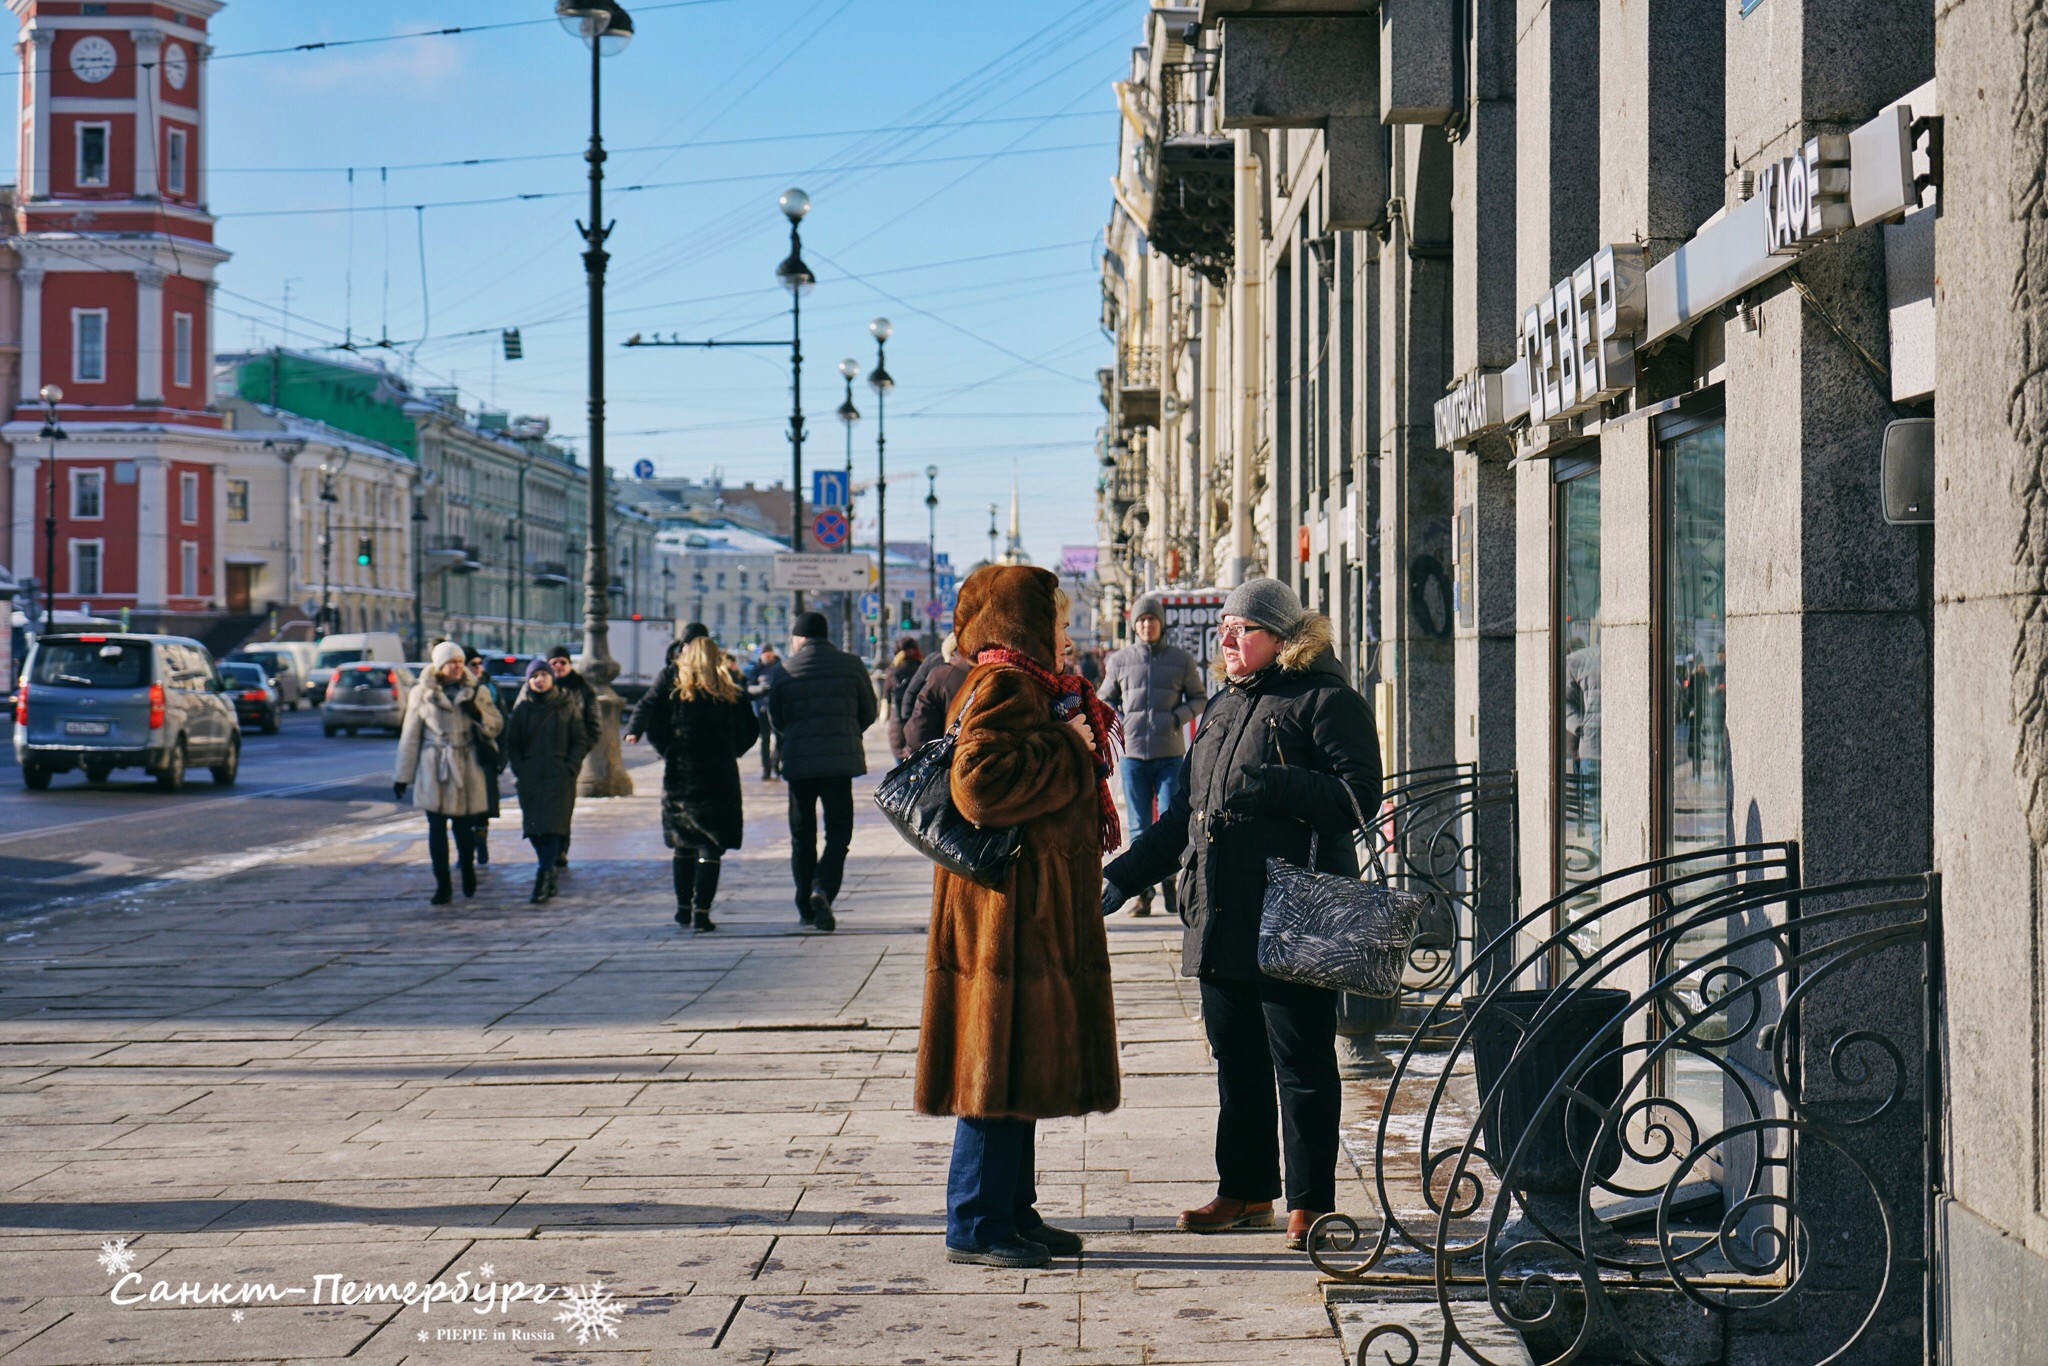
x=1578, y=680
x=1698, y=801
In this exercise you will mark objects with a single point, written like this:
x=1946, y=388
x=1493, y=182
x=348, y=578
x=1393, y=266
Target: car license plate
x=85, y=728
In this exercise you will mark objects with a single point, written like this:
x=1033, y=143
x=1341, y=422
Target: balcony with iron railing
x=1191, y=165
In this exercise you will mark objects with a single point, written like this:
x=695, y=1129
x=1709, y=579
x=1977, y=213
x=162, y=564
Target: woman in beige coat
x=447, y=714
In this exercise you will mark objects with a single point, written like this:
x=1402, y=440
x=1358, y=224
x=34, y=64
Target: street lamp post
x=881, y=382
x=931, y=544
x=605, y=26
x=327, y=501
x=991, y=533
x=52, y=432
x=419, y=589
x=849, y=370
x=796, y=277
x=511, y=577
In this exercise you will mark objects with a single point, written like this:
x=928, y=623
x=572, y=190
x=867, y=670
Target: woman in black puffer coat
x=700, y=725
x=546, y=742
x=1279, y=746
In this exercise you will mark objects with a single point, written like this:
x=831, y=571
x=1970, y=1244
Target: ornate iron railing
x=1687, y=1088
x=1448, y=833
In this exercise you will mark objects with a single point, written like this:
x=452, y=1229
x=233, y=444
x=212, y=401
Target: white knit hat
x=447, y=650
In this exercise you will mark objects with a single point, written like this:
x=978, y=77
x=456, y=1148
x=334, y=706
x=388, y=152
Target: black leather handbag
x=917, y=797
x=1329, y=930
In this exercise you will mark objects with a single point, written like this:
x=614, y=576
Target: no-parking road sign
x=829, y=528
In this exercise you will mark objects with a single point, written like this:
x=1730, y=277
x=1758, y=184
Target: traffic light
x=366, y=551
x=909, y=617
x=514, y=348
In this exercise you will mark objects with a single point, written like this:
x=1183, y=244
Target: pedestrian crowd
x=1274, y=756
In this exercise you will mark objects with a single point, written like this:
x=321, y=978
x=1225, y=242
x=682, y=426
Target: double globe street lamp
x=881, y=382
x=796, y=277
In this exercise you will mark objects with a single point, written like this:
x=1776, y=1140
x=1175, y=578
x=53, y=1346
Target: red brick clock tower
x=115, y=287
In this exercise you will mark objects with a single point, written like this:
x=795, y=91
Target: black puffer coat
x=700, y=741
x=821, y=706
x=1274, y=752
x=546, y=743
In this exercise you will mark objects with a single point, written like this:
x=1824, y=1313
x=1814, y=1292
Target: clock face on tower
x=175, y=69
x=92, y=58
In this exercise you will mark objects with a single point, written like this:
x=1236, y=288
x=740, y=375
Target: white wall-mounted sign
x=1579, y=341
x=1806, y=195
x=1472, y=406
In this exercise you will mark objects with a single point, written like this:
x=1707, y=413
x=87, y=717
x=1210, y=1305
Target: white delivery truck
x=640, y=644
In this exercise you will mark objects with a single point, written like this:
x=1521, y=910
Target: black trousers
x=438, y=825
x=812, y=872
x=1264, y=1032
x=770, y=765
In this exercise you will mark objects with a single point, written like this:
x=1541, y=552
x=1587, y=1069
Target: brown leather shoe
x=1298, y=1224
x=1224, y=1213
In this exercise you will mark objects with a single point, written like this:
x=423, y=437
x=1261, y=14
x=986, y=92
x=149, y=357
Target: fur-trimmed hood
x=1310, y=650
x=1009, y=606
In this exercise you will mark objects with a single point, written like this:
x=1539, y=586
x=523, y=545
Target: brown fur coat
x=1019, y=1021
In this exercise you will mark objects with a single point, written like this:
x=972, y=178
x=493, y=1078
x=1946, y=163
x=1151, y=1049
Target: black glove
x=1112, y=898
x=1258, y=790
x=398, y=791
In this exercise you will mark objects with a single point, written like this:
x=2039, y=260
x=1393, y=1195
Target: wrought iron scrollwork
x=1699, y=1055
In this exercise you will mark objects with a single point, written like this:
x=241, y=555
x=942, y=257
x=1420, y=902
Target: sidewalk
x=301, y=1070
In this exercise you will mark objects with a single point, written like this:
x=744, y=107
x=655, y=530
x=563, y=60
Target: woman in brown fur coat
x=1019, y=1024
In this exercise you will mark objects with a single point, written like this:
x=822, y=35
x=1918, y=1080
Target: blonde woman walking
x=437, y=754
x=700, y=727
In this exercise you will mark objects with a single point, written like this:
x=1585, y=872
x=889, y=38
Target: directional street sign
x=829, y=489
x=820, y=573
x=871, y=606
x=643, y=469
x=829, y=527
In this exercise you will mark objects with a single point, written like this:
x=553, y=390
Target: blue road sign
x=829, y=488
x=871, y=606
x=829, y=528
x=643, y=469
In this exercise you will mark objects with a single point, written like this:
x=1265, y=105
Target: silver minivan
x=102, y=702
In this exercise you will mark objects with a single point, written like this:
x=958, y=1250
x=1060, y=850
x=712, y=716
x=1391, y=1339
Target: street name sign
x=820, y=573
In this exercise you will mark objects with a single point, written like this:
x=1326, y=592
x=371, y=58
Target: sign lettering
x=1806, y=195
x=1579, y=341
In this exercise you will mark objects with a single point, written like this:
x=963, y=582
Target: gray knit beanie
x=1149, y=606
x=1266, y=602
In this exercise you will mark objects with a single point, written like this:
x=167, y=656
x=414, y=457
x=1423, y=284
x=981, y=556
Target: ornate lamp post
x=796, y=277
x=881, y=382
x=991, y=533
x=606, y=28
x=849, y=370
x=52, y=432
x=328, y=498
x=419, y=554
x=931, y=544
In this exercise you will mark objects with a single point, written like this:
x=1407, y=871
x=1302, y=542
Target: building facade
x=113, y=289
x=1595, y=367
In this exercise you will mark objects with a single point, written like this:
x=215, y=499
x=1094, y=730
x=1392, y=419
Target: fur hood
x=1008, y=606
x=1306, y=651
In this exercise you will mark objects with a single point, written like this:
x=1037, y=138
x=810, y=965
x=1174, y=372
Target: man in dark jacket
x=760, y=681
x=930, y=694
x=1157, y=687
x=820, y=706
x=1287, y=745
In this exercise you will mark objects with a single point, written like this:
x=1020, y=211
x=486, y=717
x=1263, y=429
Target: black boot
x=562, y=859
x=703, y=921
x=483, y=845
x=444, y=892
x=707, y=888
x=683, y=870
x=540, y=885
x=469, y=877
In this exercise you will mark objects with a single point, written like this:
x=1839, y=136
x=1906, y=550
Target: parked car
x=284, y=662
x=363, y=695
x=508, y=675
x=256, y=697
x=101, y=702
x=365, y=647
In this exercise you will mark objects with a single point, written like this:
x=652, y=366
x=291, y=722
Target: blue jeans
x=1147, y=781
x=992, y=1186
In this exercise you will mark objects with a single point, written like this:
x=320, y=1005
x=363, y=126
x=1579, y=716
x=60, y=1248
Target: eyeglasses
x=1231, y=633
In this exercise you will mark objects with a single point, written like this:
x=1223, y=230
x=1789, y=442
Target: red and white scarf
x=1072, y=693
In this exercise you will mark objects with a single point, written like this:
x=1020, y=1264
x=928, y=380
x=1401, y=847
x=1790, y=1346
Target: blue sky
x=994, y=357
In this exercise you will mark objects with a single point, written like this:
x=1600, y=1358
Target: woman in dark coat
x=1278, y=747
x=546, y=742
x=700, y=724
x=1019, y=1022
x=909, y=659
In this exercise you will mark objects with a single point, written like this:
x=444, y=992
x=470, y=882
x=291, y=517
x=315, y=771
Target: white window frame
x=106, y=153
x=97, y=480
x=188, y=569
x=99, y=568
x=181, y=349
x=228, y=499
x=188, y=497
x=79, y=372
x=177, y=151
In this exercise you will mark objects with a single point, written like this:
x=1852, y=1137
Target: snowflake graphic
x=488, y=1271
x=115, y=1257
x=422, y=1335
x=591, y=1313
x=237, y=1316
